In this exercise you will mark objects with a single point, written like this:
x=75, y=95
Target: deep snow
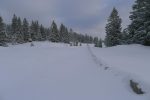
x=134, y=59
x=50, y=71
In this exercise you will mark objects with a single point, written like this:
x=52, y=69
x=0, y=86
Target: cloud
x=85, y=16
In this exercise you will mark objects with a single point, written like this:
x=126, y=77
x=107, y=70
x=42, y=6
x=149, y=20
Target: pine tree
x=48, y=33
x=91, y=39
x=125, y=39
x=25, y=30
x=100, y=43
x=20, y=36
x=54, y=37
x=8, y=33
x=62, y=32
x=32, y=31
x=72, y=35
x=2, y=32
x=139, y=28
x=95, y=40
x=43, y=33
x=35, y=31
x=113, y=29
x=66, y=36
x=14, y=29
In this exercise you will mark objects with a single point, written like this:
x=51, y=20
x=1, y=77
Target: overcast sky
x=84, y=16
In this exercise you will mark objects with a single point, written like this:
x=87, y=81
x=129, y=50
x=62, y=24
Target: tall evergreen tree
x=48, y=33
x=2, y=31
x=62, y=32
x=113, y=29
x=8, y=30
x=126, y=37
x=25, y=30
x=35, y=31
x=98, y=43
x=66, y=36
x=32, y=31
x=43, y=33
x=14, y=29
x=139, y=28
x=71, y=35
x=95, y=40
x=20, y=36
x=54, y=37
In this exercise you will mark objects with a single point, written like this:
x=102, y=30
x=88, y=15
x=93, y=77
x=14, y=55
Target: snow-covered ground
x=50, y=71
x=134, y=59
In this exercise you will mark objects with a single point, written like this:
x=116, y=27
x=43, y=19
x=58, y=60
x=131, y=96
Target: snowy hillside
x=134, y=59
x=49, y=71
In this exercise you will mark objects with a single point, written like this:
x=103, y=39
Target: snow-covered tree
x=98, y=42
x=35, y=31
x=140, y=26
x=67, y=36
x=62, y=32
x=43, y=32
x=95, y=40
x=54, y=36
x=2, y=31
x=113, y=29
x=25, y=30
x=14, y=29
x=19, y=33
x=126, y=37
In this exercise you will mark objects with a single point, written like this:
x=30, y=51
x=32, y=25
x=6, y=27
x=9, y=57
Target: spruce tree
x=71, y=35
x=48, y=33
x=14, y=29
x=35, y=31
x=54, y=37
x=8, y=30
x=113, y=29
x=95, y=40
x=62, y=32
x=20, y=36
x=66, y=36
x=43, y=33
x=2, y=32
x=125, y=39
x=25, y=30
x=32, y=31
x=139, y=28
x=100, y=43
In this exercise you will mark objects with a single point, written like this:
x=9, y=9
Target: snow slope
x=51, y=71
x=133, y=60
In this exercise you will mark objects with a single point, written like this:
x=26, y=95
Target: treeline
x=137, y=32
x=22, y=31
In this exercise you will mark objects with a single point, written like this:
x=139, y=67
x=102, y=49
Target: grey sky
x=85, y=16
